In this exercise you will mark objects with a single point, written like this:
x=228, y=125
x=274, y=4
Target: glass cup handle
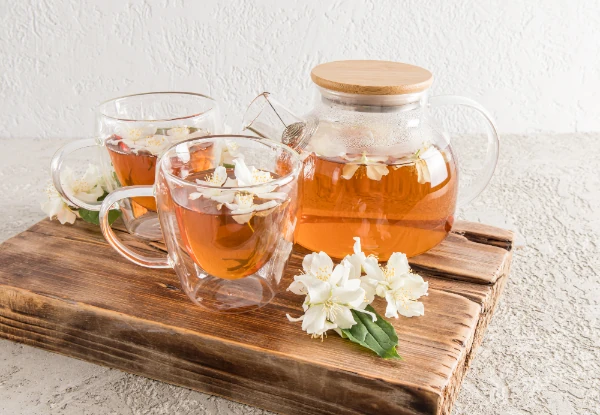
x=113, y=198
x=56, y=169
x=493, y=144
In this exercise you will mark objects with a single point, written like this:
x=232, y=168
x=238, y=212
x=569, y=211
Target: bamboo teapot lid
x=365, y=77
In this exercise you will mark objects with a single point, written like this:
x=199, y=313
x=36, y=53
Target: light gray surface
x=541, y=354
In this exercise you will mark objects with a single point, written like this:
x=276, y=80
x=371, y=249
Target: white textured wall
x=534, y=64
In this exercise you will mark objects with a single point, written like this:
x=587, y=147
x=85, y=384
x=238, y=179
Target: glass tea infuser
x=376, y=165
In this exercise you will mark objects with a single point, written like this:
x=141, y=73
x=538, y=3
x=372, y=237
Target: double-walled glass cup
x=227, y=207
x=131, y=134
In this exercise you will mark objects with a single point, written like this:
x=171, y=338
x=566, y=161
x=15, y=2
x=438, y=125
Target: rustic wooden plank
x=486, y=234
x=463, y=259
x=64, y=289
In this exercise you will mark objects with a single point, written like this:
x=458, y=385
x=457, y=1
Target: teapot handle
x=482, y=178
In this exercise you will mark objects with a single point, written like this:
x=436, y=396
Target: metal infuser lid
x=368, y=77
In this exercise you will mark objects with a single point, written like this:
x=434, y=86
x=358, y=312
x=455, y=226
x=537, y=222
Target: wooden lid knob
x=371, y=77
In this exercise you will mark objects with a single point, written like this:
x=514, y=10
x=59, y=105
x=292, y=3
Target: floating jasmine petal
x=373, y=164
x=419, y=157
x=212, y=187
x=134, y=133
x=179, y=133
x=243, y=206
x=229, y=152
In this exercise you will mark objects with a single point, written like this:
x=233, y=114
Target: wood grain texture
x=62, y=288
x=368, y=77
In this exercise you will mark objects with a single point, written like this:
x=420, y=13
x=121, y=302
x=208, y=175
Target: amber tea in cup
x=136, y=130
x=227, y=208
x=131, y=133
x=224, y=245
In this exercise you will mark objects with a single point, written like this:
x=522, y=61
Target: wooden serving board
x=63, y=289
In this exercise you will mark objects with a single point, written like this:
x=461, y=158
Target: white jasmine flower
x=217, y=179
x=230, y=151
x=145, y=138
x=317, y=267
x=330, y=295
x=55, y=207
x=87, y=188
x=322, y=144
x=423, y=175
x=431, y=166
x=240, y=202
x=155, y=144
x=243, y=206
x=403, y=295
x=178, y=133
x=375, y=169
x=397, y=284
x=358, y=260
x=131, y=133
x=421, y=158
x=251, y=176
x=332, y=292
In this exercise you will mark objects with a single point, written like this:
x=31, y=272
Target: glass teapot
x=376, y=165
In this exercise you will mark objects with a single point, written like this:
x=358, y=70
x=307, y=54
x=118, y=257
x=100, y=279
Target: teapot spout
x=267, y=118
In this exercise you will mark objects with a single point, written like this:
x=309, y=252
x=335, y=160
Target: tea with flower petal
x=393, y=205
x=137, y=167
x=133, y=169
x=230, y=245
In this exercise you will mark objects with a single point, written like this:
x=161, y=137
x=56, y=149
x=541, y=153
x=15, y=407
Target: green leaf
x=101, y=198
x=378, y=336
x=116, y=179
x=91, y=216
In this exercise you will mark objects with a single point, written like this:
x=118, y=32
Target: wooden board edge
x=38, y=331
x=419, y=265
x=487, y=310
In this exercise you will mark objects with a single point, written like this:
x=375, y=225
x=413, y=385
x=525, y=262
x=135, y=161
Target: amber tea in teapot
x=375, y=165
x=395, y=213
